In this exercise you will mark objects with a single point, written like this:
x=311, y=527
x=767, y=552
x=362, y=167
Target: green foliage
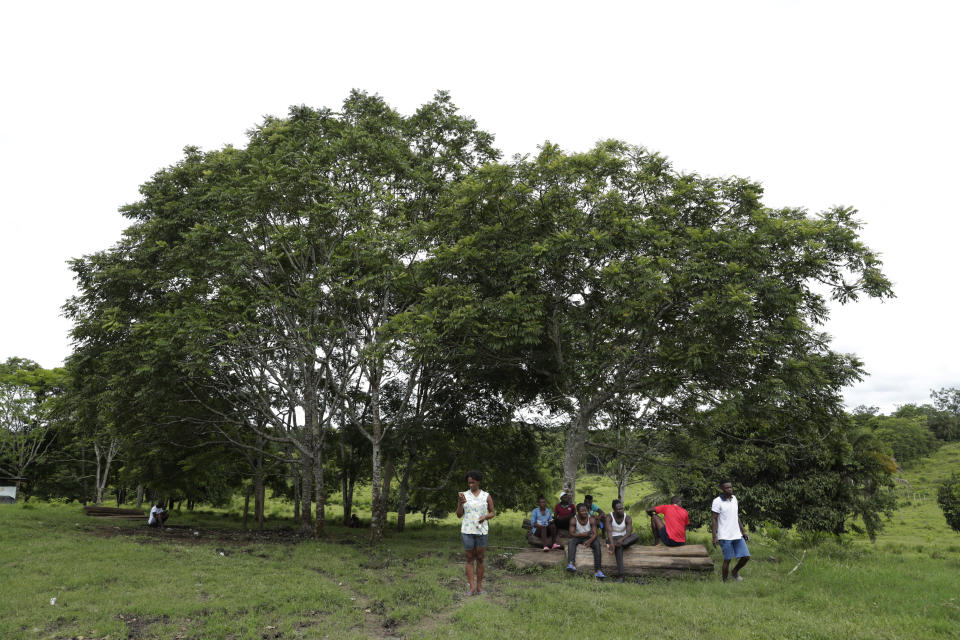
x=948, y=497
x=906, y=433
x=582, y=280
x=28, y=397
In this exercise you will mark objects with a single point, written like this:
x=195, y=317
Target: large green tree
x=266, y=279
x=27, y=396
x=581, y=279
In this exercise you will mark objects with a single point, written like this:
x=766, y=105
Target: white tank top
x=618, y=529
x=584, y=528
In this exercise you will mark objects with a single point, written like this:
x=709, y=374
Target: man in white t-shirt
x=728, y=531
x=158, y=515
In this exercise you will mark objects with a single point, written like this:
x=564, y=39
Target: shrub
x=949, y=498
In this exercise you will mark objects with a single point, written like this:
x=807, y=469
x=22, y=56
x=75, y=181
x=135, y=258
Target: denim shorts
x=734, y=549
x=474, y=540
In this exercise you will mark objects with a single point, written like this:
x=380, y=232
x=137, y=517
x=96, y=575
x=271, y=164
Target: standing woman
x=475, y=506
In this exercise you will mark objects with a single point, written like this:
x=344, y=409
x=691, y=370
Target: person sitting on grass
x=672, y=529
x=595, y=512
x=620, y=534
x=158, y=515
x=541, y=519
x=583, y=530
x=563, y=512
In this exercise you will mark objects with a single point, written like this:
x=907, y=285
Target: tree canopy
x=368, y=277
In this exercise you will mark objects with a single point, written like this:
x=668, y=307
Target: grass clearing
x=122, y=580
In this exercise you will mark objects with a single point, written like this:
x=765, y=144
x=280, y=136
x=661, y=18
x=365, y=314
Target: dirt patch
x=139, y=626
x=201, y=535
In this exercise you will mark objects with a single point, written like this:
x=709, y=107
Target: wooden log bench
x=97, y=511
x=690, y=559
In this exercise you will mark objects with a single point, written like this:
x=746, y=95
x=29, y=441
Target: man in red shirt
x=672, y=529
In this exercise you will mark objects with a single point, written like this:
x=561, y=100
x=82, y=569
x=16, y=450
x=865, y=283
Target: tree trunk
x=246, y=505
x=377, y=517
x=576, y=439
x=387, y=482
x=260, y=503
x=306, y=490
x=320, y=521
x=295, y=479
x=345, y=460
x=402, y=496
x=139, y=496
x=348, y=498
x=83, y=472
x=104, y=459
x=258, y=488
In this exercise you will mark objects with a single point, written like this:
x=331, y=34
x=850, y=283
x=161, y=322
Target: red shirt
x=675, y=519
x=560, y=511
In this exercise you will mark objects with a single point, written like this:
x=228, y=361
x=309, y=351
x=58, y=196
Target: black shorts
x=667, y=540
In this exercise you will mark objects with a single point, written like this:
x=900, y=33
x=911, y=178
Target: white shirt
x=618, y=529
x=154, y=512
x=728, y=522
x=473, y=509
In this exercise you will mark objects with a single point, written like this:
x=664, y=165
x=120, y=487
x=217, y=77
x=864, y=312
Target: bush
x=949, y=499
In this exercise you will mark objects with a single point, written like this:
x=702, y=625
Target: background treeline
x=359, y=296
x=49, y=455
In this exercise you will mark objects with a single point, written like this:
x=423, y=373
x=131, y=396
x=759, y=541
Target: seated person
x=354, y=521
x=620, y=534
x=563, y=512
x=541, y=521
x=583, y=530
x=672, y=530
x=595, y=511
x=158, y=515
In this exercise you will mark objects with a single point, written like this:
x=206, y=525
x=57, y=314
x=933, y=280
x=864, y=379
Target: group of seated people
x=587, y=523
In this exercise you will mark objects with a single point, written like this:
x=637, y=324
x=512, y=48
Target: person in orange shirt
x=672, y=529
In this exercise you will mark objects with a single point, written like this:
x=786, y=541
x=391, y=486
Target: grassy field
x=121, y=580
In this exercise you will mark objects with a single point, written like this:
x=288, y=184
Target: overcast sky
x=824, y=103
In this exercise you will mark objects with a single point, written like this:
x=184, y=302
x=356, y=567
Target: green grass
x=120, y=580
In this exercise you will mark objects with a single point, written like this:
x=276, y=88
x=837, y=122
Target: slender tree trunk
x=246, y=505
x=306, y=490
x=402, y=497
x=139, y=496
x=622, y=485
x=98, y=492
x=377, y=518
x=258, y=488
x=387, y=482
x=83, y=472
x=405, y=485
x=295, y=479
x=348, y=498
x=345, y=460
x=320, y=521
